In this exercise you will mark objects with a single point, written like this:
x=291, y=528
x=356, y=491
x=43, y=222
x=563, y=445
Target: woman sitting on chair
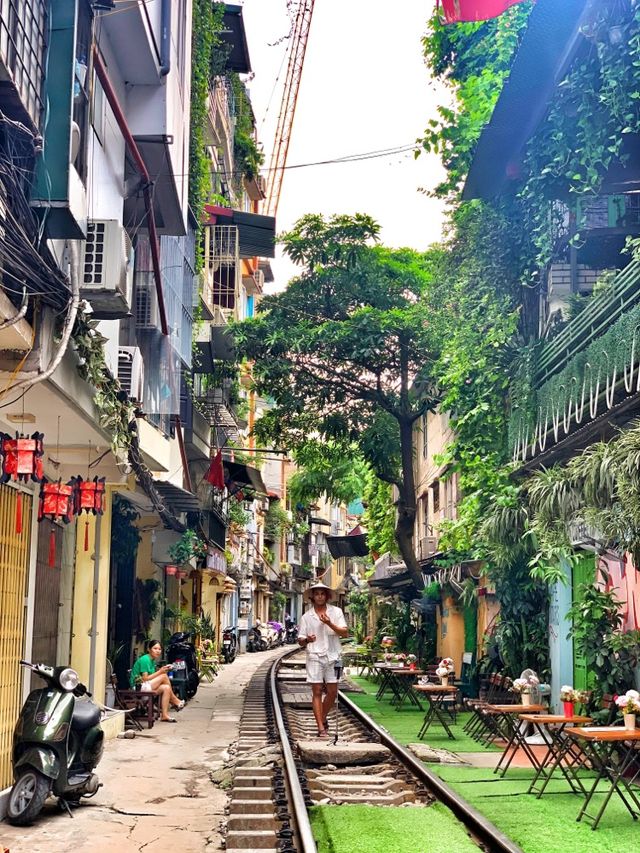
x=156, y=679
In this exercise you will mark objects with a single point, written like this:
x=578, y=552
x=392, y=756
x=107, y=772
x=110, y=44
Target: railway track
x=282, y=768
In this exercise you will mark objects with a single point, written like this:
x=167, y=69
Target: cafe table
x=399, y=681
x=562, y=752
x=403, y=685
x=612, y=751
x=435, y=694
x=508, y=723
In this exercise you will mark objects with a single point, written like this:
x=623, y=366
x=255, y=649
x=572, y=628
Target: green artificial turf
x=368, y=829
x=547, y=825
x=404, y=724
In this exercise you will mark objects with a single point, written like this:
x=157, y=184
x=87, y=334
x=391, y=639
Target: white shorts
x=321, y=670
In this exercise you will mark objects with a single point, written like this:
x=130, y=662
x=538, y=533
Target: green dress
x=144, y=665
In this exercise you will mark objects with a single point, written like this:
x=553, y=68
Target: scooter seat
x=85, y=715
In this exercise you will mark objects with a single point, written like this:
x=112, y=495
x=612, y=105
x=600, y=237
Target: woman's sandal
x=168, y=720
x=323, y=734
x=179, y=706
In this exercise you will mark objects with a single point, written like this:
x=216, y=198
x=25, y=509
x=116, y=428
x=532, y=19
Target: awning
x=180, y=500
x=348, y=546
x=320, y=521
x=219, y=347
x=245, y=475
x=256, y=233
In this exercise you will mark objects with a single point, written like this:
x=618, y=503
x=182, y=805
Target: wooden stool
x=147, y=700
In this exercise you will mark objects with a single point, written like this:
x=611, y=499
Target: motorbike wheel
x=263, y=646
x=231, y=655
x=27, y=797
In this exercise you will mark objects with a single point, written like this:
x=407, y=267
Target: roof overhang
x=234, y=36
x=548, y=46
x=180, y=500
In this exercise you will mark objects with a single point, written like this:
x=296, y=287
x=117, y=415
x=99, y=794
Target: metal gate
x=46, y=603
x=14, y=572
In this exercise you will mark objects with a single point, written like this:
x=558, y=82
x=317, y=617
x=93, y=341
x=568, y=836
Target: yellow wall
x=83, y=597
x=451, y=633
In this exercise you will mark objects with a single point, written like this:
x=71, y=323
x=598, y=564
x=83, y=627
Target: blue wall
x=560, y=648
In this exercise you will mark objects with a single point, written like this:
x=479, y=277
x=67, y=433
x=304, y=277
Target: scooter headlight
x=68, y=679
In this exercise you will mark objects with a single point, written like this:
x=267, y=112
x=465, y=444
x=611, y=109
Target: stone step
x=247, y=840
x=342, y=753
x=252, y=821
x=254, y=793
x=253, y=806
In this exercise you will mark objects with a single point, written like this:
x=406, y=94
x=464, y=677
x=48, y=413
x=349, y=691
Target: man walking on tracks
x=319, y=632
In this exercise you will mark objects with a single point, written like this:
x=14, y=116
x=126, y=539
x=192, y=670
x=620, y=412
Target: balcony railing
x=23, y=27
x=587, y=369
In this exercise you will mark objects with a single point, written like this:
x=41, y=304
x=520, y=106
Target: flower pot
x=568, y=709
x=412, y=667
x=629, y=721
x=170, y=570
x=526, y=698
x=445, y=680
x=182, y=574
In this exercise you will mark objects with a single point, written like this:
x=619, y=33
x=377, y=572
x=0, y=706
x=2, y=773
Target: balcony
x=427, y=547
x=23, y=27
x=134, y=34
x=589, y=373
x=221, y=126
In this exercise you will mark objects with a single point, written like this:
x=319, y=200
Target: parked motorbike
x=229, y=644
x=256, y=642
x=182, y=654
x=276, y=635
x=57, y=743
x=291, y=635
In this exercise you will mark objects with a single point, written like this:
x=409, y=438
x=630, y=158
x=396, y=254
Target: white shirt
x=327, y=642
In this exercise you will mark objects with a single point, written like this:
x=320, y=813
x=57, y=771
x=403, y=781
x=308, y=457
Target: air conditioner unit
x=428, y=547
x=131, y=372
x=107, y=269
x=147, y=312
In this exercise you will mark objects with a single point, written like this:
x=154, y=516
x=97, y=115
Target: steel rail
x=470, y=817
x=303, y=825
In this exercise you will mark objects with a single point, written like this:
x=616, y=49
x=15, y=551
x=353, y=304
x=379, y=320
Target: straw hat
x=321, y=586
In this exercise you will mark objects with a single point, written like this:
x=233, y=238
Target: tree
x=345, y=352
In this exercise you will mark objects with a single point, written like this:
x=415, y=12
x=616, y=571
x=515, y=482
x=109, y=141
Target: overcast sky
x=364, y=88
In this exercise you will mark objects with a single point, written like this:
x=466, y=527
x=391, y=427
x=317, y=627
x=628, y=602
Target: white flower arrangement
x=629, y=702
x=411, y=658
x=525, y=685
x=570, y=694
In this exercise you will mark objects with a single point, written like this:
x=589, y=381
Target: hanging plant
x=189, y=545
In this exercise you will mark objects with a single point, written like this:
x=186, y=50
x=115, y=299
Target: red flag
x=215, y=474
x=456, y=11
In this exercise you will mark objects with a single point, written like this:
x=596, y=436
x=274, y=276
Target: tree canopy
x=346, y=351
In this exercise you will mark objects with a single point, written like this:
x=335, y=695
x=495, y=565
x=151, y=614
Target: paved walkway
x=157, y=794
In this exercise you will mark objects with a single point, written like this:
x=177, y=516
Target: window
x=435, y=490
x=424, y=503
x=425, y=436
x=23, y=27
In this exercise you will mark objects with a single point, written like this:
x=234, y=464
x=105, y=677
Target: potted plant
x=170, y=571
x=189, y=545
x=629, y=704
x=411, y=661
x=400, y=658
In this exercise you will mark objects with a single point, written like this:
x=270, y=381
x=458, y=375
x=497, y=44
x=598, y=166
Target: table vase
x=526, y=698
x=568, y=709
x=629, y=721
x=445, y=680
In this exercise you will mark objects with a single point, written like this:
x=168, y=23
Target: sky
x=364, y=88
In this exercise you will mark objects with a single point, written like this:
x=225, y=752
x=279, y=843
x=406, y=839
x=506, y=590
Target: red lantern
x=21, y=460
x=89, y=497
x=56, y=503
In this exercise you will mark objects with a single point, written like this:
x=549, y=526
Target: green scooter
x=57, y=742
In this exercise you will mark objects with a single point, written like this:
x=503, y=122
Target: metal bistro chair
x=482, y=726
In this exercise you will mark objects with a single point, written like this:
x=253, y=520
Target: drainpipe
x=165, y=38
x=133, y=149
